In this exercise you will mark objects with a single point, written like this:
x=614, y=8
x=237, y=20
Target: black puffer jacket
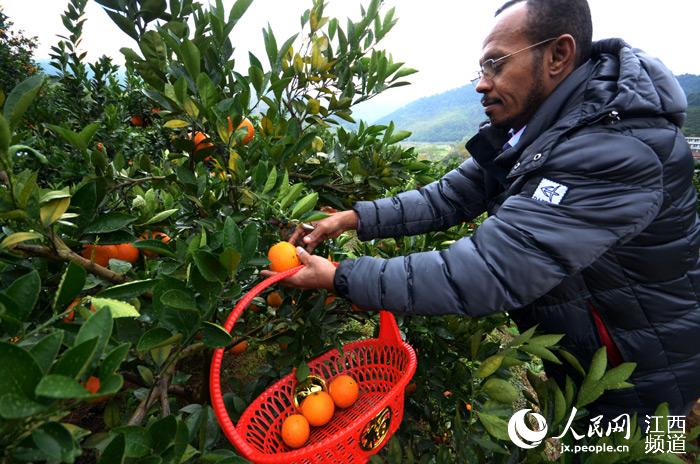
x=592, y=215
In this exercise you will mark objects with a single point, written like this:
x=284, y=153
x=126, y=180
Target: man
x=592, y=228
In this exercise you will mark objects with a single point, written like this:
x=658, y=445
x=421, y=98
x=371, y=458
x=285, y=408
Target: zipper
x=614, y=356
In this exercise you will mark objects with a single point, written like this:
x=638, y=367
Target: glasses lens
x=488, y=69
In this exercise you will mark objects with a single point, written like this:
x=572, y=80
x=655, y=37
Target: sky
x=440, y=38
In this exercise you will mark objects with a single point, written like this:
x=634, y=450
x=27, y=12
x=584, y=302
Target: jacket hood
x=629, y=81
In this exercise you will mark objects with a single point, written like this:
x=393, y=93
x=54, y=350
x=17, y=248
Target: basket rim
x=365, y=417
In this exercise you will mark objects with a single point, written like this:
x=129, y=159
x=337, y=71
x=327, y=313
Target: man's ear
x=561, y=56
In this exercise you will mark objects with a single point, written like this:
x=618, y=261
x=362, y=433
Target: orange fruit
x=283, y=346
x=154, y=235
x=71, y=315
x=329, y=300
x=239, y=347
x=468, y=406
x=100, y=254
x=245, y=123
x=410, y=388
x=283, y=256
x=136, y=121
x=344, y=391
x=92, y=384
x=100, y=146
x=127, y=252
x=274, y=299
x=201, y=141
x=318, y=408
x=295, y=431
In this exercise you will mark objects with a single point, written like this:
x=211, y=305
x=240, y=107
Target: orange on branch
x=127, y=252
x=274, y=299
x=71, y=315
x=318, y=408
x=201, y=141
x=92, y=384
x=283, y=256
x=344, y=391
x=100, y=254
x=239, y=347
x=136, y=120
x=295, y=431
x=245, y=123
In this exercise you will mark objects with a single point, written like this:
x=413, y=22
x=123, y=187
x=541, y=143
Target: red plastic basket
x=381, y=366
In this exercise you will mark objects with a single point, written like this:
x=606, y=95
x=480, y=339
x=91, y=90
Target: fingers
x=297, y=234
x=304, y=256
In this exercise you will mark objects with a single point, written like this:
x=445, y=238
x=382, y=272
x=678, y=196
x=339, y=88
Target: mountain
x=445, y=117
x=454, y=115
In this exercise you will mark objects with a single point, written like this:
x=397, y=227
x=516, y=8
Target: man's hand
x=318, y=272
x=330, y=227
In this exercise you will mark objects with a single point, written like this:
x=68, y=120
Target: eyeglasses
x=489, y=68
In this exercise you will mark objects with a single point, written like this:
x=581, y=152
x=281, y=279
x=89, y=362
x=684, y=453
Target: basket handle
x=388, y=332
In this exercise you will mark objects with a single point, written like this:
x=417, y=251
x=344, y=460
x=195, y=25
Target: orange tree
x=121, y=374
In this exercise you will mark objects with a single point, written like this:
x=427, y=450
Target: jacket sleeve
x=457, y=196
x=529, y=246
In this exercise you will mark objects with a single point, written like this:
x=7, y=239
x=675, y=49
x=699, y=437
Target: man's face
x=512, y=96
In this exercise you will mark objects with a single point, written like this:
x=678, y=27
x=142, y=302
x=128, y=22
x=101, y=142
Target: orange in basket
x=382, y=367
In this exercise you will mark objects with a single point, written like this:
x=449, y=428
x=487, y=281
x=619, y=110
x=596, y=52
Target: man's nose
x=483, y=85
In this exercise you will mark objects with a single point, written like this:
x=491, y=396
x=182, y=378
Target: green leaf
x=302, y=372
x=304, y=205
x=500, y=390
x=271, y=180
x=109, y=222
x=215, y=336
x=571, y=359
x=157, y=338
x=238, y=10
x=155, y=246
x=75, y=360
x=162, y=216
x=494, y=425
x=5, y=137
x=69, y=136
x=598, y=365
x=53, y=210
x=138, y=443
x=25, y=292
x=546, y=340
x=231, y=234
x=230, y=259
x=191, y=58
x=21, y=97
x=72, y=282
x=291, y=194
x=128, y=290
x=559, y=404
x=176, y=124
x=399, y=136
x=540, y=351
x=117, y=308
x=114, y=359
x=114, y=452
x=209, y=266
x=250, y=241
x=179, y=299
x=61, y=387
x=45, y=351
x=19, y=237
x=162, y=433
x=20, y=371
x=207, y=91
x=56, y=442
x=617, y=376
x=14, y=406
x=99, y=325
x=14, y=149
x=490, y=365
x=523, y=337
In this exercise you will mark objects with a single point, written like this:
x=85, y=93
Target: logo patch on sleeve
x=550, y=191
